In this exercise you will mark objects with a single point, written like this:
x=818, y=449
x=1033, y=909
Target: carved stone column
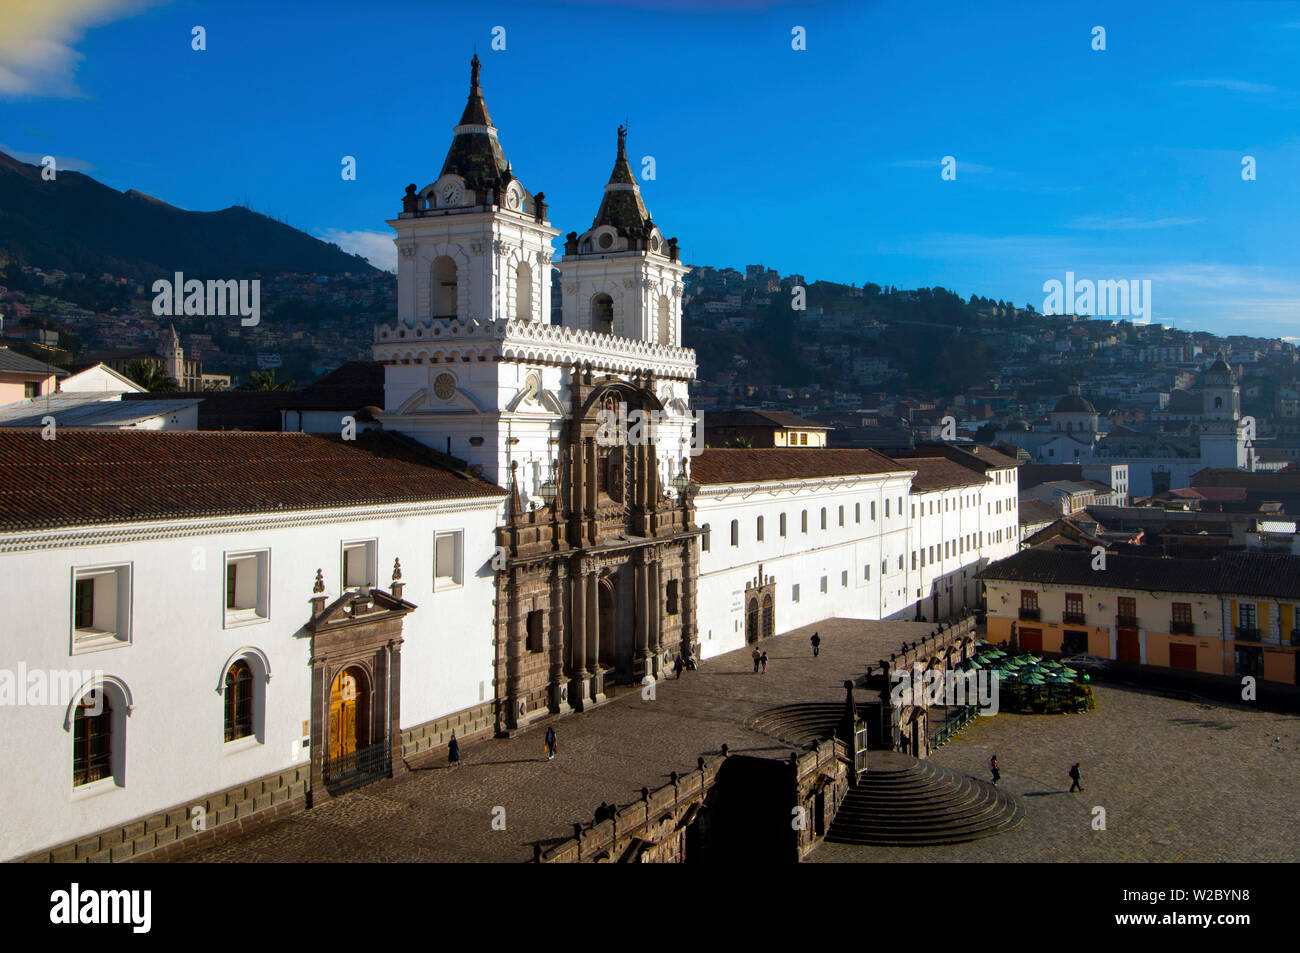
x=578, y=625
x=558, y=689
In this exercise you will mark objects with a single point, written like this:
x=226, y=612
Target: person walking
x=550, y=743
x=1074, y=778
x=762, y=660
x=816, y=641
x=453, y=751
x=757, y=658
x=678, y=666
x=993, y=769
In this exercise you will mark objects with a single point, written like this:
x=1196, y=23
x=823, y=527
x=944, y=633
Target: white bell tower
x=622, y=276
x=474, y=243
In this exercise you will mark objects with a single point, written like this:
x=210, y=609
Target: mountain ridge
x=76, y=223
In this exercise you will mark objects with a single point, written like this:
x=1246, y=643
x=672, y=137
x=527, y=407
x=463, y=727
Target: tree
x=264, y=380
x=741, y=443
x=150, y=376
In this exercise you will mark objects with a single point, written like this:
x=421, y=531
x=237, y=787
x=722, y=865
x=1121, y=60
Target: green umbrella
x=1034, y=679
x=1066, y=670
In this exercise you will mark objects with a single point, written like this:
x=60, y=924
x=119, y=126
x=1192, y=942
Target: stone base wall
x=430, y=739
x=167, y=833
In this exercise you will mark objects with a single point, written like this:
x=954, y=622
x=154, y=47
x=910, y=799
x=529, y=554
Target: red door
x=1182, y=656
x=1031, y=640
x=1129, y=649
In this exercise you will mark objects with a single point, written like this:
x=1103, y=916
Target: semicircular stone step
x=904, y=802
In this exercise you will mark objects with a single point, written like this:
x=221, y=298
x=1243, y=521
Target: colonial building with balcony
x=1232, y=615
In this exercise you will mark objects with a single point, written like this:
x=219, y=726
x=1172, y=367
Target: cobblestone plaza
x=1178, y=780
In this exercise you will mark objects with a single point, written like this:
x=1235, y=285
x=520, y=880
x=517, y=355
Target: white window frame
x=97, y=638
x=457, y=579
x=370, y=548
x=260, y=610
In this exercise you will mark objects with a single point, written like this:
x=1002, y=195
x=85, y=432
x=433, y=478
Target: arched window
x=523, y=292
x=803, y=521
x=823, y=517
x=602, y=314
x=735, y=532
x=1218, y=403
x=706, y=537
x=239, y=701
x=665, y=321
x=92, y=740
x=760, y=529
x=444, y=287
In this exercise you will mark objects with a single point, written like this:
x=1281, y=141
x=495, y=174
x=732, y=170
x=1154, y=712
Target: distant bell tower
x=621, y=276
x=474, y=243
x=1222, y=445
x=174, y=360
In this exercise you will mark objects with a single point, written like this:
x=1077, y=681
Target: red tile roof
x=715, y=466
x=88, y=477
x=940, y=473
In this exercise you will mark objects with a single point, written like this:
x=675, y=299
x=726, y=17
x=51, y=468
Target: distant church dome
x=1074, y=404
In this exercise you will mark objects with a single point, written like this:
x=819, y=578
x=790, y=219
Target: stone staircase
x=905, y=802
x=804, y=724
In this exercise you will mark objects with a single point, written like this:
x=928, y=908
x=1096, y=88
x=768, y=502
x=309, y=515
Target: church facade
x=246, y=624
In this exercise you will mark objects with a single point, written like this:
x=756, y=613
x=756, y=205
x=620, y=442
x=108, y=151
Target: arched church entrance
x=349, y=729
x=751, y=621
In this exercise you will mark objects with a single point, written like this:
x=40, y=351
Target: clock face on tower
x=444, y=386
x=513, y=199
x=452, y=194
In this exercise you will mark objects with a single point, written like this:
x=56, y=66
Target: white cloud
x=375, y=247
x=1236, y=85
x=37, y=37
x=1102, y=224
x=61, y=163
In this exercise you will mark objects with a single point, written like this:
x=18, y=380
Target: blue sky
x=1117, y=164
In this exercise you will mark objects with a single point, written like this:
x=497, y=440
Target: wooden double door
x=349, y=713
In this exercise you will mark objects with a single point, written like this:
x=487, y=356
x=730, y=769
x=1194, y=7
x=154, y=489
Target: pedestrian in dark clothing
x=757, y=659
x=550, y=743
x=1074, y=778
x=678, y=666
x=603, y=812
x=453, y=751
x=816, y=641
x=993, y=769
x=762, y=660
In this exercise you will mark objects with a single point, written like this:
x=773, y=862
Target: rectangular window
x=866, y=572
x=759, y=529
x=886, y=509
x=1029, y=600
x=823, y=517
x=844, y=578
x=857, y=512
x=535, y=628
x=361, y=564
x=841, y=516
x=873, y=511
x=823, y=583
x=705, y=538
x=794, y=593
x=803, y=521
x=914, y=560
x=783, y=525
x=101, y=607
x=448, y=559
x=248, y=590
x=900, y=562
x=735, y=532
x=1073, y=608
